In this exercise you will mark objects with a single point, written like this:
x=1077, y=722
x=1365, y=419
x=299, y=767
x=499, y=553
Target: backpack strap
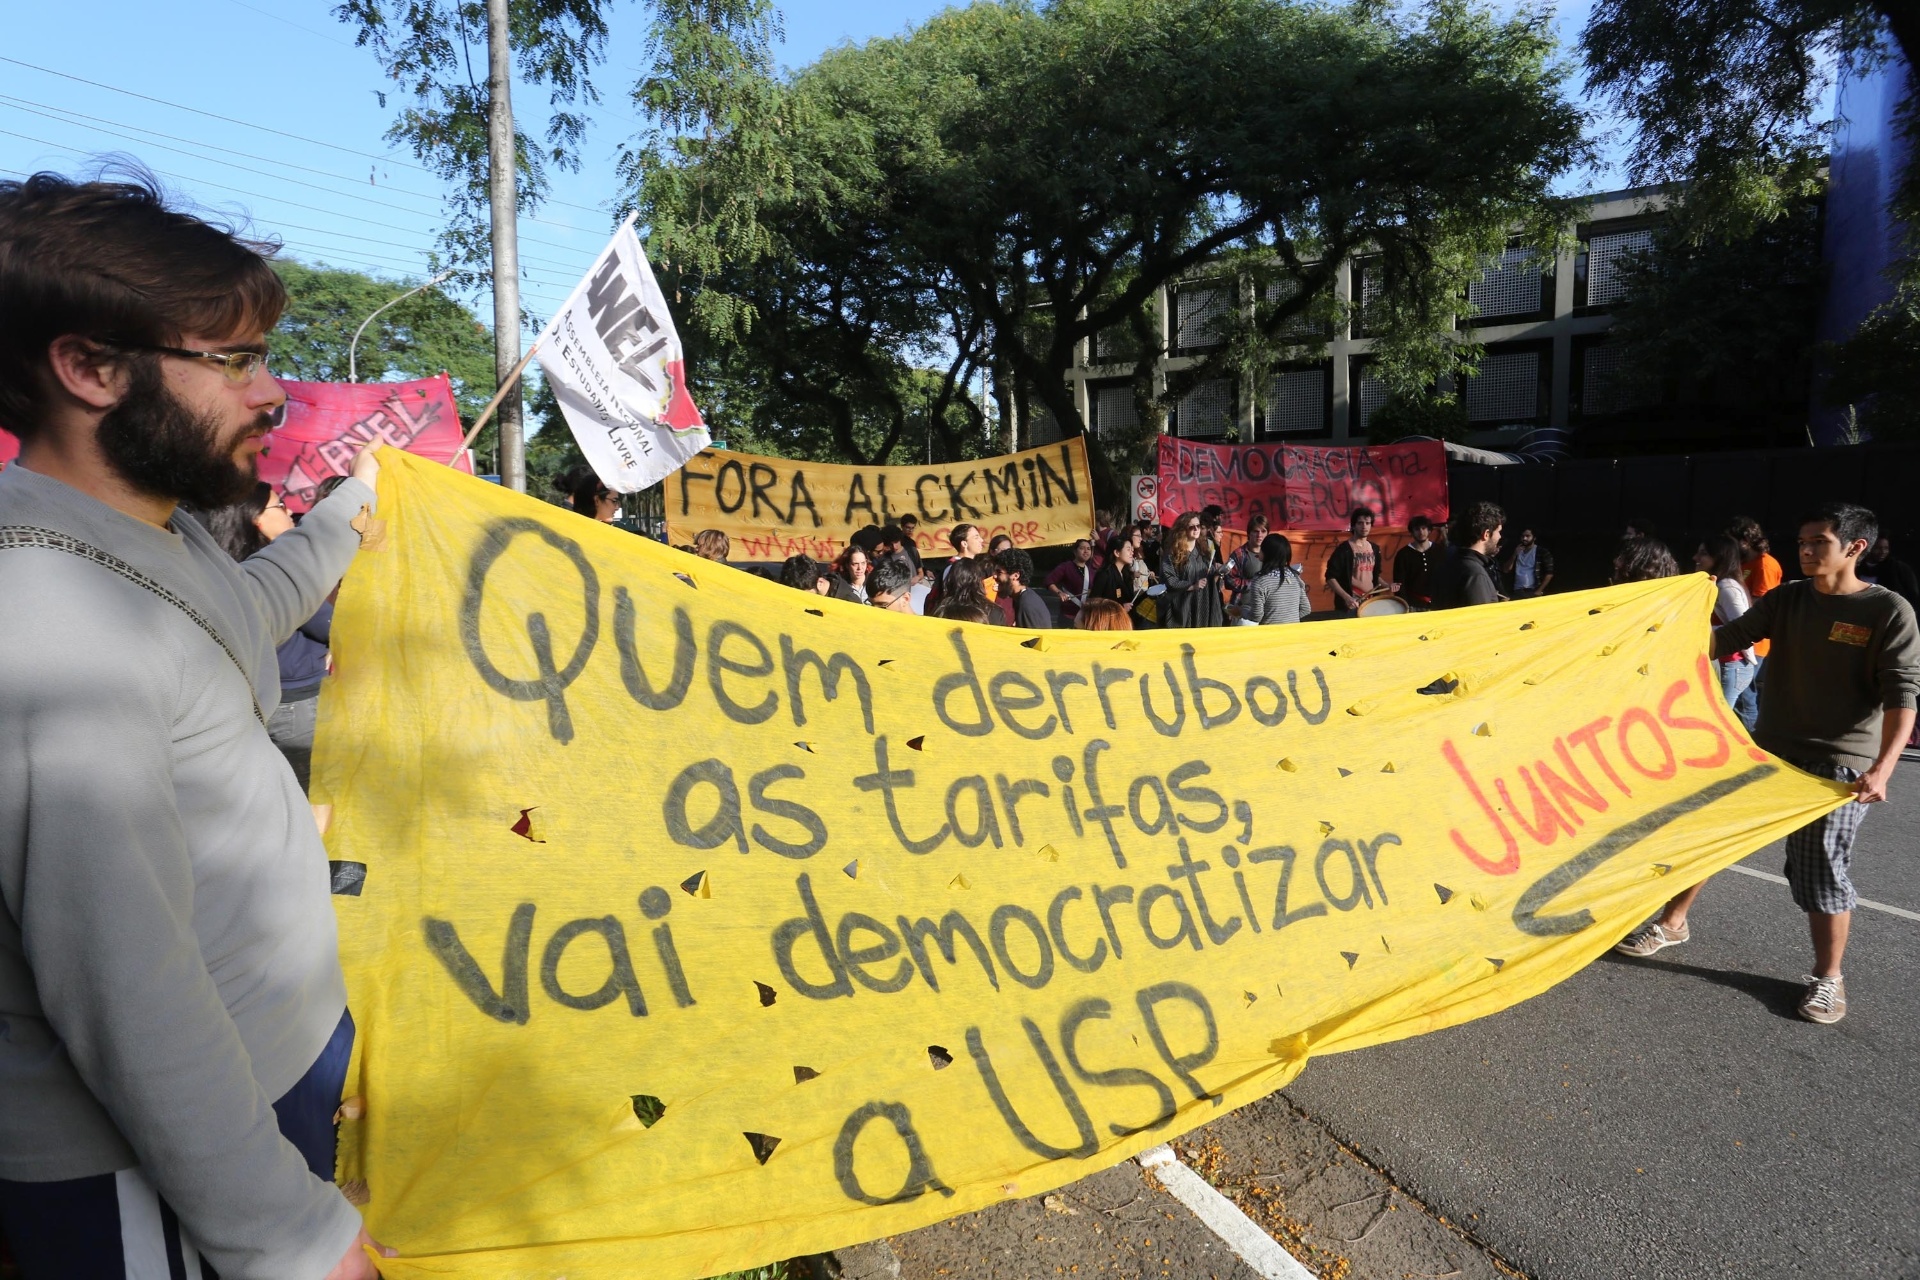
x=26, y=536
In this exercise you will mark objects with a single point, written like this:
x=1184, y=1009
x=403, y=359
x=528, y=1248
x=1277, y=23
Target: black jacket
x=1417, y=571
x=1476, y=578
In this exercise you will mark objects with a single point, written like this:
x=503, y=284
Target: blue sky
x=265, y=108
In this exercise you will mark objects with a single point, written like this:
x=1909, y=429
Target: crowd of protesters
x=176, y=1038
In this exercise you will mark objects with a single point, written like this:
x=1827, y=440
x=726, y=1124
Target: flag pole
x=512, y=380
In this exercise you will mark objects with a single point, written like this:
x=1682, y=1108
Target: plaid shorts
x=1818, y=853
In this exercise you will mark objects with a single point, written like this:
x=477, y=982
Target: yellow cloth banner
x=701, y=922
x=773, y=508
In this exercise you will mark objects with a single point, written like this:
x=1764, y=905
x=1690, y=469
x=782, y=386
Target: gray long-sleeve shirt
x=1275, y=597
x=1837, y=663
x=168, y=958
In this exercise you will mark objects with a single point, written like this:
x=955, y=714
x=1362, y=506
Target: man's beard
x=166, y=450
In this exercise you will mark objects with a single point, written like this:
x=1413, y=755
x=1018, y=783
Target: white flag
x=615, y=364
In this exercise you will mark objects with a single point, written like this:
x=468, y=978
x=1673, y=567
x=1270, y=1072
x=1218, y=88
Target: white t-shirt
x=1732, y=602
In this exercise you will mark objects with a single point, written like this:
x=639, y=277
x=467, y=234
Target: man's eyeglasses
x=240, y=367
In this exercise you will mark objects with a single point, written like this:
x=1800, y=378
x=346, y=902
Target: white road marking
x=1902, y=912
x=1223, y=1217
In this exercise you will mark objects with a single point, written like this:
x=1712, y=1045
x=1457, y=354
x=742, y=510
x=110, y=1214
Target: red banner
x=327, y=422
x=1299, y=486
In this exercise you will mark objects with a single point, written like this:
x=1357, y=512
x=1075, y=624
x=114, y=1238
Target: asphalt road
x=1671, y=1117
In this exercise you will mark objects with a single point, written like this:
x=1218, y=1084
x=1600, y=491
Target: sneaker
x=1651, y=937
x=1825, y=1001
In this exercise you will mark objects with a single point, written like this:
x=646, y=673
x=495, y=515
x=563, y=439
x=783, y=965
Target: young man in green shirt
x=1839, y=704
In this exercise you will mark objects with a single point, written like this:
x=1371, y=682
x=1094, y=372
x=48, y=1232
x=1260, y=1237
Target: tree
x=1877, y=371
x=436, y=49
x=1724, y=94
x=1005, y=182
x=426, y=334
x=1725, y=319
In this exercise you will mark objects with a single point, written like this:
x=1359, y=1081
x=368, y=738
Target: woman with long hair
x=963, y=597
x=1103, y=615
x=711, y=544
x=238, y=527
x=588, y=495
x=1191, y=568
x=1719, y=556
x=1244, y=565
x=1642, y=559
x=853, y=566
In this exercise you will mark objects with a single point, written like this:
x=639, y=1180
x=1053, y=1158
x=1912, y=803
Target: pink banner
x=327, y=422
x=1300, y=486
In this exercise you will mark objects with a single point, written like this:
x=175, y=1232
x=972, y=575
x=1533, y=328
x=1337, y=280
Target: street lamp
x=353, y=368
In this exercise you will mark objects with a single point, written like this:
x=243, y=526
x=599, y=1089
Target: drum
x=1382, y=604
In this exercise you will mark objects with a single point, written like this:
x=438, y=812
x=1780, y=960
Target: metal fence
x=1578, y=506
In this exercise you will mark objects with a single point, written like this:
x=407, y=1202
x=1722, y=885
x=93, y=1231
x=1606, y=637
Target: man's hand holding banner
x=701, y=922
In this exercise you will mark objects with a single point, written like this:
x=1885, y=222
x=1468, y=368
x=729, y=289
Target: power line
x=375, y=262
x=295, y=25
x=307, y=242
x=248, y=124
x=68, y=116
x=276, y=177
x=261, y=195
x=348, y=44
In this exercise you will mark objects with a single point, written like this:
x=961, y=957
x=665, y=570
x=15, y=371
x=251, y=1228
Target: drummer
x=1356, y=570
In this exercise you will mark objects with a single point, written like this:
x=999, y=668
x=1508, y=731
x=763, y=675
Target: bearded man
x=173, y=1026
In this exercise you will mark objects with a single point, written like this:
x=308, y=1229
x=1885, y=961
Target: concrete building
x=1548, y=362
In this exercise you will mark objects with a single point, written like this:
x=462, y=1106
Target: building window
x=1507, y=389
x=1114, y=414
x=1042, y=428
x=1301, y=326
x=1514, y=285
x=1369, y=392
x=1606, y=256
x=1369, y=276
x=1115, y=345
x=1606, y=385
x=1200, y=311
x=1298, y=401
x=1206, y=411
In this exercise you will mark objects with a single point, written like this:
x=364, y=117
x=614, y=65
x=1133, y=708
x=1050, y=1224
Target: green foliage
x=551, y=449
x=1726, y=95
x=426, y=334
x=1418, y=413
x=1726, y=318
x=705, y=55
x=1877, y=371
x=437, y=50
x=1005, y=181
x=772, y=1271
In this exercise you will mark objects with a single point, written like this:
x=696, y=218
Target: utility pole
x=502, y=190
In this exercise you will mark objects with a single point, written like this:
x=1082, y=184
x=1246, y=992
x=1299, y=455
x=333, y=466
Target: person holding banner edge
x=176, y=1035
x=1840, y=705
